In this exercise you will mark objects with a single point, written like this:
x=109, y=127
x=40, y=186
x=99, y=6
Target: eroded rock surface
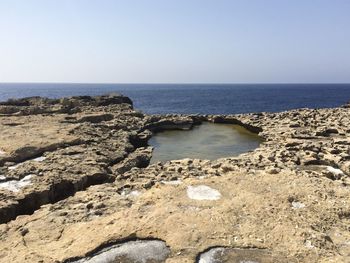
x=75, y=184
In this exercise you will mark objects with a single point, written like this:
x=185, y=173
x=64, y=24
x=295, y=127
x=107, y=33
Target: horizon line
x=178, y=83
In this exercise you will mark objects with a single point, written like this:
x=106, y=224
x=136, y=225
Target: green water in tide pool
x=206, y=141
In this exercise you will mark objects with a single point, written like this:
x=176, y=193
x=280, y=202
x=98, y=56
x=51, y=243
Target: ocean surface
x=198, y=98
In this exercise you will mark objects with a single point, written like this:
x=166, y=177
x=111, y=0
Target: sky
x=175, y=41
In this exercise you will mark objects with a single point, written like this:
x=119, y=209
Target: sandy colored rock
x=286, y=201
x=28, y=136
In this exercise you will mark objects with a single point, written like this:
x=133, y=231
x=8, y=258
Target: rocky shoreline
x=76, y=186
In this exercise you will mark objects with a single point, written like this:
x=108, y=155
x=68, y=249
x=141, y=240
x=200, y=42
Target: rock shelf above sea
x=76, y=185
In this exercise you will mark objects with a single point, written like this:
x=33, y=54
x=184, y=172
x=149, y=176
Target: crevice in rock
x=28, y=201
x=57, y=192
x=317, y=162
x=63, y=189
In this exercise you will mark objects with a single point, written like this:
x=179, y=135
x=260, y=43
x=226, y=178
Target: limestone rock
x=76, y=185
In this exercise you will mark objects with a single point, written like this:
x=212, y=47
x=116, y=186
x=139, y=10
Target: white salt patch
x=134, y=193
x=297, y=205
x=308, y=244
x=174, y=182
x=132, y=251
x=39, y=159
x=13, y=167
x=203, y=192
x=335, y=171
x=211, y=255
x=16, y=185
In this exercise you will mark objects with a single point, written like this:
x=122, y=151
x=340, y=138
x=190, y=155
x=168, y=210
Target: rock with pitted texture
x=76, y=185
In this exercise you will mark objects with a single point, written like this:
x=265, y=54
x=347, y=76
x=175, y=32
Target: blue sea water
x=198, y=98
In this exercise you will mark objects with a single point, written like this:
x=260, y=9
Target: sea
x=197, y=98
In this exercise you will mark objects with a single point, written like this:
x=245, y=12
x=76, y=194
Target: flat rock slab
x=33, y=133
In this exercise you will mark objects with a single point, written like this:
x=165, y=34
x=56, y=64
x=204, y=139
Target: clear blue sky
x=215, y=41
